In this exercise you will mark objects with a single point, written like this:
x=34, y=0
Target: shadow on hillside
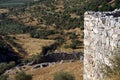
x=7, y=54
x=55, y=57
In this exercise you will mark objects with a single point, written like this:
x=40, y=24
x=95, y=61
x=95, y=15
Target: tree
x=75, y=44
x=117, y=4
x=93, y=7
x=23, y=76
x=105, y=7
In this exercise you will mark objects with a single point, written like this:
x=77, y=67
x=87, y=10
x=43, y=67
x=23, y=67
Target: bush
x=23, y=76
x=38, y=58
x=3, y=77
x=5, y=66
x=11, y=64
x=3, y=45
x=73, y=35
x=43, y=34
x=11, y=27
x=63, y=76
x=117, y=4
x=60, y=40
x=115, y=69
x=105, y=7
x=75, y=44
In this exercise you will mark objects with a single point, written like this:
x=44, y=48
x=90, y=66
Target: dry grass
x=75, y=68
x=31, y=45
x=112, y=3
x=115, y=77
x=68, y=42
x=59, y=8
x=47, y=73
x=4, y=11
x=73, y=15
x=25, y=18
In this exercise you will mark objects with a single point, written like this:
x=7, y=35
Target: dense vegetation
x=41, y=33
x=4, y=77
x=7, y=27
x=23, y=76
x=6, y=66
x=115, y=69
x=53, y=14
x=56, y=16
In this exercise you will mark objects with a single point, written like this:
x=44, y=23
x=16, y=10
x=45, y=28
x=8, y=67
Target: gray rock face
x=102, y=35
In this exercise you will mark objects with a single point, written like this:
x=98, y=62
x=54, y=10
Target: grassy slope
x=63, y=16
x=47, y=73
x=40, y=15
x=38, y=12
x=30, y=45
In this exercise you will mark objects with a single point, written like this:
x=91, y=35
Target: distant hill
x=28, y=29
x=14, y=1
x=57, y=20
x=9, y=3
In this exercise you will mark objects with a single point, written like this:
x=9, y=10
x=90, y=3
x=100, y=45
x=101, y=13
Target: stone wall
x=101, y=36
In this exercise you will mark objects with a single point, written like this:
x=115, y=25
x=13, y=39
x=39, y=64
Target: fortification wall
x=101, y=36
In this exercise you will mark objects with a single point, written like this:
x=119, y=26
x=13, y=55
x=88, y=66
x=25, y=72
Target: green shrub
x=117, y=4
x=3, y=45
x=4, y=77
x=60, y=40
x=115, y=70
x=75, y=44
x=23, y=76
x=73, y=35
x=105, y=7
x=11, y=64
x=3, y=67
x=82, y=35
x=66, y=46
x=41, y=33
x=6, y=66
x=63, y=76
x=38, y=58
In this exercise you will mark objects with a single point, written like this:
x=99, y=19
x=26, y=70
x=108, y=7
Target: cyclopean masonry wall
x=101, y=36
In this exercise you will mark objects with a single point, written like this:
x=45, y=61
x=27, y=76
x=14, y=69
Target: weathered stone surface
x=112, y=23
x=103, y=39
x=95, y=30
x=110, y=32
x=87, y=43
x=114, y=36
x=102, y=35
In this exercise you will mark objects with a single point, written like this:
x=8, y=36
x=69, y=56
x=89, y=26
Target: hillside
x=7, y=54
x=46, y=26
x=9, y=3
x=60, y=20
x=50, y=71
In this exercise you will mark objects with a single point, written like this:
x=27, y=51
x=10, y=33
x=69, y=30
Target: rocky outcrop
x=102, y=36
